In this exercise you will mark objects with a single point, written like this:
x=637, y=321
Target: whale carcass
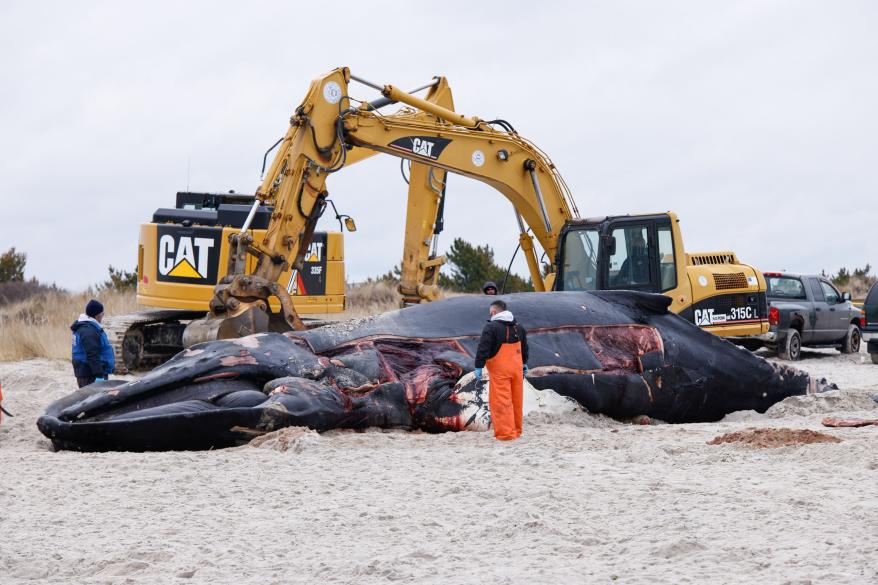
x=619, y=353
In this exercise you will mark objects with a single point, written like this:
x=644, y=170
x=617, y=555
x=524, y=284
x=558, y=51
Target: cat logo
x=315, y=252
x=703, y=317
x=706, y=317
x=426, y=146
x=310, y=280
x=188, y=254
x=422, y=147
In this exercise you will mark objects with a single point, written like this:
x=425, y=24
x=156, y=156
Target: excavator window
x=580, y=268
x=629, y=266
x=667, y=265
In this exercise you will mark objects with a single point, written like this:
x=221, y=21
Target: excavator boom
x=327, y=132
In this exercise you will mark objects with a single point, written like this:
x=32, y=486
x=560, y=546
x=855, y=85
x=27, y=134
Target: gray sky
x=755, y=121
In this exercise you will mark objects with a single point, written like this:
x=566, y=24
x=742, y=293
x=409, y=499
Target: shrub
x=857, y=282
x=120, y=280
x=15, y=291
x=471, y=266
x=12, y=265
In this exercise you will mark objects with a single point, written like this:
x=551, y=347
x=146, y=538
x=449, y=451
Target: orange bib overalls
x=505, y=393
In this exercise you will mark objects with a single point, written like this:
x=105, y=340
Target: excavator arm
x=328, y=131
x=444, y=139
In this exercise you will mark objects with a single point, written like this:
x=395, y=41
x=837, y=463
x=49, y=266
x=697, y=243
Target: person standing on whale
x=503, y=349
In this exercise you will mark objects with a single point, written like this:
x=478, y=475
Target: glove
x=478, y=372
x=100, y=379
x=525, y=369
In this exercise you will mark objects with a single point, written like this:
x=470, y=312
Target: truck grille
x=730, y=281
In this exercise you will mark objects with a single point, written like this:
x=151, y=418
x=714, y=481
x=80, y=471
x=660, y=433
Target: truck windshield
x=785, y=287
x=580, y=268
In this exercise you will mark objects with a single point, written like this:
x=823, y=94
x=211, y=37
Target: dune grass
x=373, y=297
x=369, y=298
x=40, y=325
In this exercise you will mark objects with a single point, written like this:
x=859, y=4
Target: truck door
x=837, y=316
x=871, y=308
x=822, y=331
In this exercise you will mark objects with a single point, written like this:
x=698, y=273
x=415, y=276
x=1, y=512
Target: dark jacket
x=91, y=353
x=494, y=335
x=635, y=269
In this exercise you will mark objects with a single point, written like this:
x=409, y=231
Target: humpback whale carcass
x=619, y=353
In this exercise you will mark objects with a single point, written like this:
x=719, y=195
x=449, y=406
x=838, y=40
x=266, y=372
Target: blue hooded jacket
x=92, y=353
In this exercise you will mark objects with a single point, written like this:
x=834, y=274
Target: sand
x=579, y=499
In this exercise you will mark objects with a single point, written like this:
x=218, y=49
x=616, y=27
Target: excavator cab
x=645, y=253
x=618, y=253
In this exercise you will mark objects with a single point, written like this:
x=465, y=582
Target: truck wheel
x=852, y=340
x=791, y=348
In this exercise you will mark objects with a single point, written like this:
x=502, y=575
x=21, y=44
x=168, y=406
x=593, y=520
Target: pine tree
x=471, y=266
x=12, y=265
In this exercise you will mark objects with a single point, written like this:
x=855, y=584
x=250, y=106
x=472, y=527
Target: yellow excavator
x=181, y=255
x=330, y=130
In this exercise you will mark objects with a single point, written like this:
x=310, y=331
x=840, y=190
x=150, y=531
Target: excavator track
x=146, y=338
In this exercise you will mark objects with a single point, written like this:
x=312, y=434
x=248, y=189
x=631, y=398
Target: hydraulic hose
x=508, y=269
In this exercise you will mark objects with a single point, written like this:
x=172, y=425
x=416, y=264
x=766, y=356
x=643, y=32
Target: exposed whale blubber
x=617, y=353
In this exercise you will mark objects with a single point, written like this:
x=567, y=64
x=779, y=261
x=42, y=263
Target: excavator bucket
x=252, y=320
x=241, y=308
x=211, y=328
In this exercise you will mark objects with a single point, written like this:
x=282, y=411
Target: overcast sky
x=755, y=121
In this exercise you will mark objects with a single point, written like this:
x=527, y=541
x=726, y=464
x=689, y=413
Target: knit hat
x=489, y=284
x=94, y=308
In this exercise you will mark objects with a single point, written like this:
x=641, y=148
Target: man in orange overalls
x=503, y=349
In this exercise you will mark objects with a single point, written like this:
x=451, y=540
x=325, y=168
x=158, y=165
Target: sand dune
x=580, y=499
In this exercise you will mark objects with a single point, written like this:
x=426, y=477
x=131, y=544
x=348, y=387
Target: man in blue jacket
x=93, y=358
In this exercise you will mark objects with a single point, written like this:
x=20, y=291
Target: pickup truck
x=870, y=330
x=808, y=311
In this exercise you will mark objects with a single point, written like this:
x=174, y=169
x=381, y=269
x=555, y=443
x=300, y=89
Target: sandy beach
x=579, y=499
